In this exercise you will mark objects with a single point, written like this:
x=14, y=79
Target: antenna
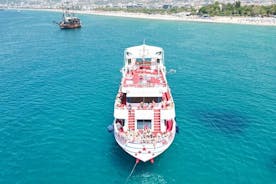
x=143, y=56
x=144, y=44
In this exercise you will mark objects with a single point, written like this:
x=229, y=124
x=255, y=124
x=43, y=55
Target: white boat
x=144, y=110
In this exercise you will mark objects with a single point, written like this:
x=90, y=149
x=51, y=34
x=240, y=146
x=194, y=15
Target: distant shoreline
x=259, y=21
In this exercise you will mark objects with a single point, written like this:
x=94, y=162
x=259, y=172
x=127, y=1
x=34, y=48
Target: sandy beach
x=261, y=21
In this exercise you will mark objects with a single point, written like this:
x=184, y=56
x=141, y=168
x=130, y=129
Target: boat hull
x=145, y=151
x=144, y=110
x=69, y=26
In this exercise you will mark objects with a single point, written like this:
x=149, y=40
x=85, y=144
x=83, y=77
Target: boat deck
x=144, y=124
x=144, y=78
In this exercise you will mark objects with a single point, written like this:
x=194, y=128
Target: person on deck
x=129, y=107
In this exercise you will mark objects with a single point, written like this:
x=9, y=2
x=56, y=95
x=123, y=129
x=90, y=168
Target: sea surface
x=57, y=90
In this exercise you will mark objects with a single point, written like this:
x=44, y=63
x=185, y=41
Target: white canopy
x=144, y=51
x=144, y=92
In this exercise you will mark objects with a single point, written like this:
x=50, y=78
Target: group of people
x=144, y=136
x=146, y=105
x=120, y=101
x=142, y=105
x=119, y=125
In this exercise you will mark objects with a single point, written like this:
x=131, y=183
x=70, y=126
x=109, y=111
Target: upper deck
x=144, y=67
x=144, y=78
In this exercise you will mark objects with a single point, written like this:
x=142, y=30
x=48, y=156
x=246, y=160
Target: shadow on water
x=70, y=30
x=272, y=163
x=227, y=122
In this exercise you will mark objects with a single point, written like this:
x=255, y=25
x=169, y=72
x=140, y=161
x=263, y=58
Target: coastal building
x=92, y=4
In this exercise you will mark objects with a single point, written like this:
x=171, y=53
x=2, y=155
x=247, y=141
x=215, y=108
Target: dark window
x=144, y=99
x=121, y=121
x=143, y=123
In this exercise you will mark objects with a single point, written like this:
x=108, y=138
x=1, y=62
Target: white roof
x=144, y=92
x=144, y=51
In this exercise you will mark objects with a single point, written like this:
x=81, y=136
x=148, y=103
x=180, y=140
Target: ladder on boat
x=131, y=119
x=156, y=125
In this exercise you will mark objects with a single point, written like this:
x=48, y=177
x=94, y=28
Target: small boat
x=69, y=21
x=144, y=112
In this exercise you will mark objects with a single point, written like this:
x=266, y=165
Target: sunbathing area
x=144, y=78
x=144, y=136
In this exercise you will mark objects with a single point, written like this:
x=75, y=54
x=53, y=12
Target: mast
x=143, y=56
x=143, y=59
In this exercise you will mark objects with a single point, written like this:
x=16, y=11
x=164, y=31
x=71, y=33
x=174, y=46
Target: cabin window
x=148, y=59
x=158, y=61
x=143, y=123
x=129, y=61
x=144, y=99
x=139, y=60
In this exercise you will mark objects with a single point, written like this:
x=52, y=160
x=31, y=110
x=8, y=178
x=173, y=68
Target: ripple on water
x=147, y=177
x=227, y=122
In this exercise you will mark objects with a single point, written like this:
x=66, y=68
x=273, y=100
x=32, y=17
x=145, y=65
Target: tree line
x=236, y=9
x=216, y=9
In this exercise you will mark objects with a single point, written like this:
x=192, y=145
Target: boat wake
x=149, y=178
x=171, y=71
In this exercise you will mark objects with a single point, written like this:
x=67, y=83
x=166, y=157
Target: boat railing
x=167, y=105
x=144, y=137
x=144, y=85
x=144, y=106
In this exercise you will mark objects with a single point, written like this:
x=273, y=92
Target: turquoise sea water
x=57, y=89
